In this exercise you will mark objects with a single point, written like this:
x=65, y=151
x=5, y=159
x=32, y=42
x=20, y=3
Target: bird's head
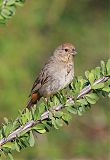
x=65, y=51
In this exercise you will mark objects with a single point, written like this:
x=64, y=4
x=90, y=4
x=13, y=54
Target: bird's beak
x=74, y=52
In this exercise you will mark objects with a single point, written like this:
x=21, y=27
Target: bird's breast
x=59, y=77
x=66, y=75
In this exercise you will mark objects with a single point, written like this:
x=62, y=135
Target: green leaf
x=6, y=120
x=66, y=117
x=93, y=71
x=10, y=2
x=31, y=139
x=58, y=114
x=87, y=74
x=77, y=86
x=40, y=128
x=24, y=119
x=28, y=114
x=5, y=150
x=82, y=102
x=9, y=128
x=90, y=100
x=98, y=86
x=82, y=81
x=37, y=114
x=55, y=100
x=106, y=89
x=10, y=157
x=17, y=147
x=8, y=145
x=108, y=67
x=42, y=107
x=24, y=141
x=97, y=72
x=59, y=122
x=42, y=131
x=83, y=108
x=91, y=78
x=50, y=115
x=103, y=68
x=79, y=111
x=3, y=131
x=6, y=13
x=92, y=96
x=12, y=9
x=71, y=110
x=1, y=17
x=18, y=3
x=54, y=123
x=68, y=104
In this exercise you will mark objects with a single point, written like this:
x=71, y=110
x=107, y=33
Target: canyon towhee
x=57, y=73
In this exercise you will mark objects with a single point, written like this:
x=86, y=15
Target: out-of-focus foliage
x=8, y=8
x=25, y=43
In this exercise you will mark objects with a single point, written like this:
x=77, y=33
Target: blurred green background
x=27, y=41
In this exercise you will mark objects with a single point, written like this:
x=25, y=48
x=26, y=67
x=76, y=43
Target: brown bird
x=56, y=74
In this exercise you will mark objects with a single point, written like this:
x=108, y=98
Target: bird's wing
x=40, y=80
x=43, y=77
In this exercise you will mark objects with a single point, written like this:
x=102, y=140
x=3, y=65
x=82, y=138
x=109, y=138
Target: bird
x=56, y=74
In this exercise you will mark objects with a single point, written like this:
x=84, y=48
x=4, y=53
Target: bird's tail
x=33, y=100
x=29, y=104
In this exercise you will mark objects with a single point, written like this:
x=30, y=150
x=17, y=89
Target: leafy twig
x=8, y=9
x=45, y=115
x=81, y=94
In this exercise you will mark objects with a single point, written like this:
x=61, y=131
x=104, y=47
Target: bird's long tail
x=33, y=100
x=29, y=104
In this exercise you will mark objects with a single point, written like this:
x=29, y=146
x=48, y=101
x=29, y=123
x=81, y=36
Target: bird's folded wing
x=40, y=81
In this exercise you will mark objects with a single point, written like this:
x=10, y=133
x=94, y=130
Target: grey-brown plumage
x=56, y=74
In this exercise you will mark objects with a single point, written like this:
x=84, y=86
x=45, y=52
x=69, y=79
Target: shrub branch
x=45, y=115
x=76, y=99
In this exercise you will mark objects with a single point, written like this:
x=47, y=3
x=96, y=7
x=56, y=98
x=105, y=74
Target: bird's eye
x=74, y=49
x=66, y=49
